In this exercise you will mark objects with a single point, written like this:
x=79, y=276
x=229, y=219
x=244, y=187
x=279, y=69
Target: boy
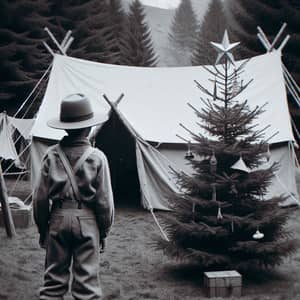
x=73, y=205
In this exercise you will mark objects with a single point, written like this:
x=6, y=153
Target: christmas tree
x=220, y=220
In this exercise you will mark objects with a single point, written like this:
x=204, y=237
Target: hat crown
x=75, y=108
x=75, y=113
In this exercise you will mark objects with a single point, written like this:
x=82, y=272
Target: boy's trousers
x=73, y=241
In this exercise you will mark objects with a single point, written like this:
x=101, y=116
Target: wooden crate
x=223, y=284
x=22, y=218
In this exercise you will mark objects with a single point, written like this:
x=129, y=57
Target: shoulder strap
x=70, y=174
x=83, y=158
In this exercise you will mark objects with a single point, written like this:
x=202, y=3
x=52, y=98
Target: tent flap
x=157, y=182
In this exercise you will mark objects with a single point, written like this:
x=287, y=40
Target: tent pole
x=61, y=49
x=7, y=217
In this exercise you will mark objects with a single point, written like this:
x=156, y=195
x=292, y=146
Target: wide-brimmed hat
x=75, y=113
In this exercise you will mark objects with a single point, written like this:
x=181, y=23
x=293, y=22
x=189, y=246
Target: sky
x=162, y=3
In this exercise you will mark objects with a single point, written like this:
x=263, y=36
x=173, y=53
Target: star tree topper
x=224, y=48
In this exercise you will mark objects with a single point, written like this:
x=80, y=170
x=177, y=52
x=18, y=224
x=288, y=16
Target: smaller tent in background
x=14, y=141
x=140, y=136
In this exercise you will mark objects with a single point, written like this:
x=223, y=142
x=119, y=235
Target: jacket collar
x=68, y=142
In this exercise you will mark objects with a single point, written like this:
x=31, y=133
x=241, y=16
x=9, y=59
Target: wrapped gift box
x=223, y=284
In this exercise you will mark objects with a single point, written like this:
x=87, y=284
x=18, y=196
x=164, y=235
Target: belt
x=65, y=204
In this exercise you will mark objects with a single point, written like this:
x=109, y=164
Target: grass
x=131, y=268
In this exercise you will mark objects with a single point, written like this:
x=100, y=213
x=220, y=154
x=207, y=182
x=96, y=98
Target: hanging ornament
x=213, y=163
x=215, y=90
x=258, y=235
x=267, y=154
x=235, y=85
x=219, y=216
x=241, y=166
x=189, y=154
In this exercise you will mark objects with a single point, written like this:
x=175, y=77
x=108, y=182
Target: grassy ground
x=131, y=268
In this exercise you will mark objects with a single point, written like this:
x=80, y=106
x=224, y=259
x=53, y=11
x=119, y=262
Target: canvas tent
x=14, y=137
x=147, y=119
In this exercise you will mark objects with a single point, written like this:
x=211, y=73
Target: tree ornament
x=235, y=86
x=224, y=48
x=258, y=235
x=241, y=166
x=219, y=216
x=267, y=154
x=213, y=163
x=189, y=154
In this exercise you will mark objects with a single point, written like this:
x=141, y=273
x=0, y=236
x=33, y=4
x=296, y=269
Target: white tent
x=155, y=102
x=14, y=131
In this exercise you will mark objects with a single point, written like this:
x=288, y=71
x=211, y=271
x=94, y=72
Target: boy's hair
x=77, y=132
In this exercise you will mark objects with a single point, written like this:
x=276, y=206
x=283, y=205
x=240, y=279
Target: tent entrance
x=118, y=144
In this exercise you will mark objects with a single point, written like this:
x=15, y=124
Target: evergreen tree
x=245, y=16
x=211, y=29
x=91, y=25
x=23, y=58
x=139, y=47
x=183, y=32
x=97, y=33
x=119, y=23
x=220, y=220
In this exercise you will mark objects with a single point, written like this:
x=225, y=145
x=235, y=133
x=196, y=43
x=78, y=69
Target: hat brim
x=97, y=119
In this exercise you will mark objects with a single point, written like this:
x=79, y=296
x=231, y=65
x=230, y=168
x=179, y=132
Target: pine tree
x=97, y=41
x=244, y=17
x=23, y=58
x=183, y=32
x=220, y=221
x=211, y=29
x=119, y=23
x=139, y=49
x=91, y=26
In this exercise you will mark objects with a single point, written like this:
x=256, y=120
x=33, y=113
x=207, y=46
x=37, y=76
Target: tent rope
x=5, y=171
x=157, y=223
x=292, y=90
x=291, y=77
x=35, y=97
x=295, y=128
x=33, y=90
x=27, y=198
x=294, y=156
